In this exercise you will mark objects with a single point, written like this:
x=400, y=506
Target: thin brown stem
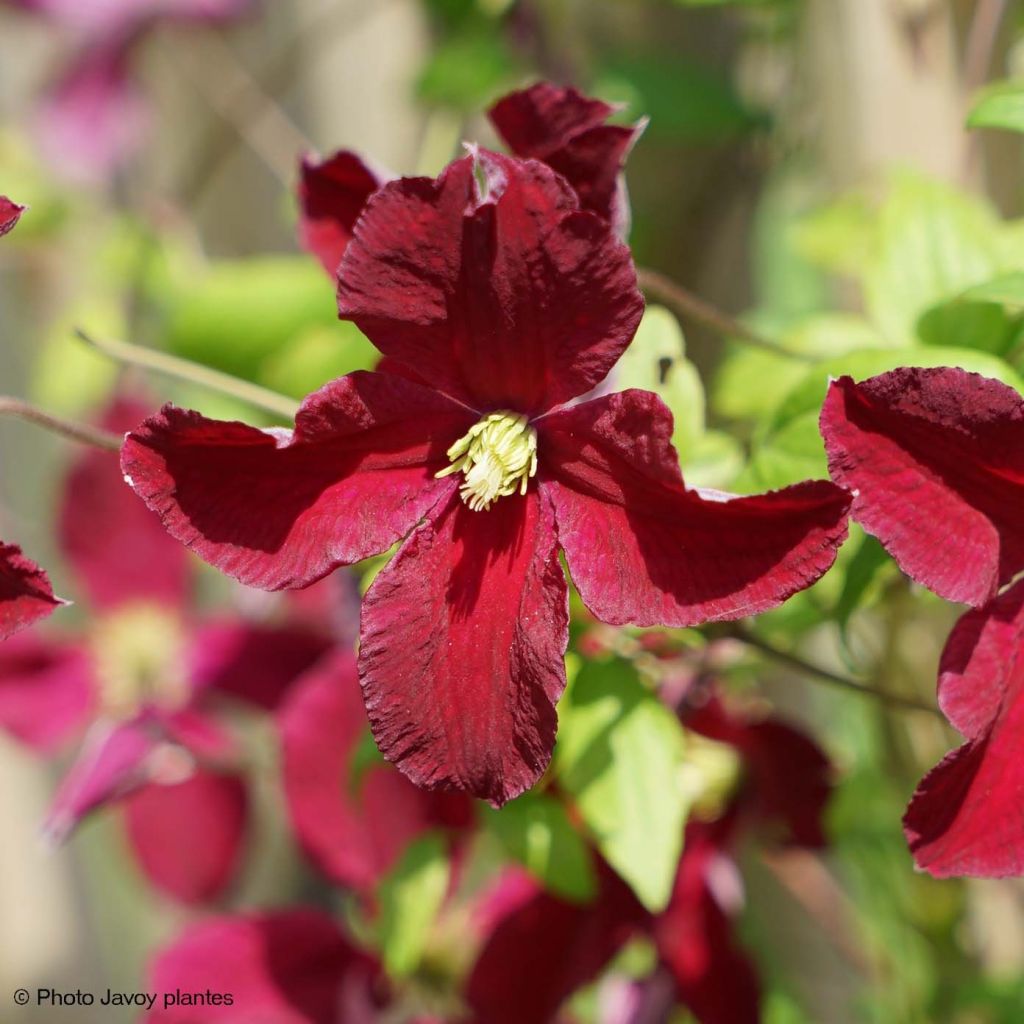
x=688, y=306
x=73, y=431
x=194, y=373
x=827, y=675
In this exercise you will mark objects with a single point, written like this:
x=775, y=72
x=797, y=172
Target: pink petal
x=257, y=663
x=95, y=116
x=461, y=649
x=332, y=195
x=115, y=544
x=25, y=592
x=188, y=836
x=111, y=763
x=715, y=979
x=100, y=19
x=566, y=130
x=46, y=690
x=10, y=214
x=541, y=949
x=354, y=827
x=965, y=818
x=787, y=775
x=935, y=459
x=284, y=967
x=510, y=299
x=281, y=510
x=643, y=549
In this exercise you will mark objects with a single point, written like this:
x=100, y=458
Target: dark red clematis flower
x=567, y=131
x=146, y=680
x=353, y=819
x=935, y=458
x=559, y=127
x=496, y=304
x=10, y=214
x=560, y=946
x=283, y=967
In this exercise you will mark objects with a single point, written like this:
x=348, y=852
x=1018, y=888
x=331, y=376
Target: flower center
x=498, y=456
x=139, y=655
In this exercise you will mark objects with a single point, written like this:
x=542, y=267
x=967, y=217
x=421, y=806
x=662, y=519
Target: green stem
x=81, y=432
x=194, y=373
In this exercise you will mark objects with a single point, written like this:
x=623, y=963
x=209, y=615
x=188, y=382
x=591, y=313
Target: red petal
x=46, y=690
x=332, y=194
x=117, y=547
x=788, y=775
x=714, y=977
x=508, y=300
x=10, y=213
x=355, y=828
x=541, y=949
x=257, y=663
x=935, y=459
x=25, y=592
x=461, y=649
x=285, y=967
x=643, y=549
x=567, y=131
x=965, y=818
x=278, y=510
x=188, y=837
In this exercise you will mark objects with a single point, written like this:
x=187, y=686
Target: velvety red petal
x=188, y=837
x=332, y=194
x=25, y=592
x=540, y=949
x=285, y=967
x=935, y=459
x=787, y=780
x=354, y=824
x=644, y=549
x=694, y=936
x=115, y=544
x=462, y=641
x=511, y=298
x=46, y=690
x=10, y=213
x=965, y=818
x=255, y=662
x=281, y=510
x=566, y=130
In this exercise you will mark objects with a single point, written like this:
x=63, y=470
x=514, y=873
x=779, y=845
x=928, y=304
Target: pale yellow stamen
x=498, y=456
x=140, y=660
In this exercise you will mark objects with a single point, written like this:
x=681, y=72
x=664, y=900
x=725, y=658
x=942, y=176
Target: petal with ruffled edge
x=965, y=818
x=117, y=547
x=566, y=130
x=25, y=592
x=462, y=641
x=504, y=295
x=539, y=949
x=257, y=663
x=46, y=690
x=285, y=967
x=935, y=459
x=715, y=979
x=10, y=214
x=281, y=510
x=332, y=195
x=353, y=822
x=188, y=836
x=643, y=549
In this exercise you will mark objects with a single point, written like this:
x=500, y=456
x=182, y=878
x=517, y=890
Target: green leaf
x=468, y=70
x=317, y=355
x=861, y=572
x=978, y=325
x=620, y=755
x=244, y=312
x=1001, y=105
x=1005, y=288
x=410, y=898
x=536, y=831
